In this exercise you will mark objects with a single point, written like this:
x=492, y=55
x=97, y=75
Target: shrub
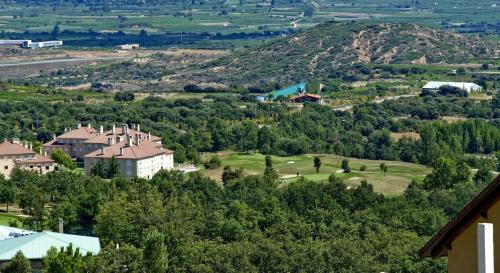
x=64, y=159
x=213, y=163
x=124, y=96
x=362, y=168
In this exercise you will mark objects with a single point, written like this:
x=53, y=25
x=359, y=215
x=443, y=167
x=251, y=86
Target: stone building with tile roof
x=14, y=155
x=137, y=156
x=83, y=140
x=71, y=142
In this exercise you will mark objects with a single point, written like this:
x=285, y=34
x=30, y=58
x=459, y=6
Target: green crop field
x=233, y=17
x=398, y=176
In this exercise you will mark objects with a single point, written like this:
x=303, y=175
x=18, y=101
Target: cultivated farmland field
x=395, y=181
x=89, y=24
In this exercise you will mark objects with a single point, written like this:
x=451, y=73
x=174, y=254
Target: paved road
x=62, y=61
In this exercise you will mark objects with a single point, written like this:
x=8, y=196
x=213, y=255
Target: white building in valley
x=467, y=86
x=137, y=157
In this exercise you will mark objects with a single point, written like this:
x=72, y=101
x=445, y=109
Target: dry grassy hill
x=332, y=47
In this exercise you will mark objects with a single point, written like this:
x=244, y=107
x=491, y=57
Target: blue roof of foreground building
x=291, y=90
x=12, y=232
x=35, y=246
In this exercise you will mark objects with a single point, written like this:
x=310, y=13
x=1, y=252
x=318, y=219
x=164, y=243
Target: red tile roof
x=80, y=133
x=144, y=150
x=103, y=139
x=9, y=148
x=37, y=159
x=315, y=96
x=54, y=143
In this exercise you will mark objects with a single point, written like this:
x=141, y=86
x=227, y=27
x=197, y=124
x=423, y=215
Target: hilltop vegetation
x=338, y=50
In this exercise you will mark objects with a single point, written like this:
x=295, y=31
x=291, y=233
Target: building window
x=47, y=167
x=6, y=167
x=31, y=167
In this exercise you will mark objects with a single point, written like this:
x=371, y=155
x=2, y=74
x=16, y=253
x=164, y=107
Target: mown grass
x=395, y=181
x=5, y=219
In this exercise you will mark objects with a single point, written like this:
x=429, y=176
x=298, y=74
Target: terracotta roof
x=441, y=242
x=306, y=95
x=103, y=139
x=80, y=133
x=37, y=159
x=144, y=150
x=54, y=143
x=9, y=148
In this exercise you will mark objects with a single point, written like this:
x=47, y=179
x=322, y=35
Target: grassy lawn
x=395, y=181
x=5, y=218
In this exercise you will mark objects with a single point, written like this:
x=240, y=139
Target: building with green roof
x=291, y=90
x=35, y=246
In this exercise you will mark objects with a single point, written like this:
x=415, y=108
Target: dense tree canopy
x=179, y=223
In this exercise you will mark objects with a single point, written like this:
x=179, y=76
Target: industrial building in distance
x=30, y=44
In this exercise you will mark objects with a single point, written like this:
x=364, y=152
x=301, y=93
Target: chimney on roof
x=126, y=129
x=30, y=146
x=89, y=125
x=61, y=225
x=79, y=125
x=121, y=150
x=113, y=130
x=138, y=127
x=129, y=141
x=102, y=150
x=65, y=129
x=110, y=141
x=101, y=130
x=40, y=150
x=54, y=137
x=45, y=153
x=148, y=137
x=133, y=126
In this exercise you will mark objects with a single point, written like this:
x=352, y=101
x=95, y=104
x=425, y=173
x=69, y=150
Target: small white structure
x=187, y=168
x=467, y=86
x=129, y=46
x=485, y=258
